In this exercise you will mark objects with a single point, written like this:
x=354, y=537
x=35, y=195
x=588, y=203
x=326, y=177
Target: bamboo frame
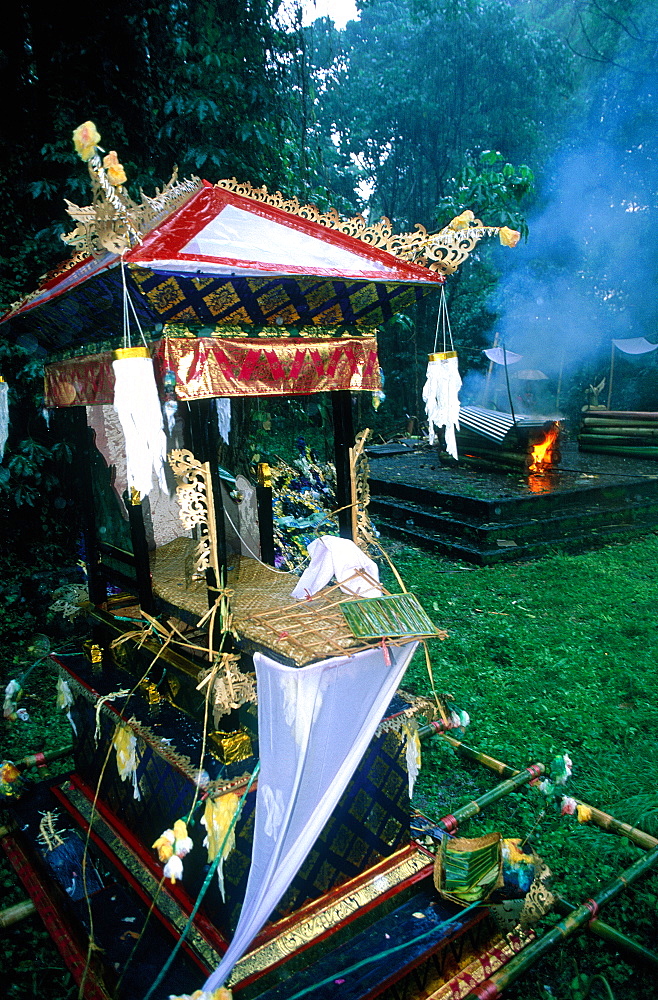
x=583, y=914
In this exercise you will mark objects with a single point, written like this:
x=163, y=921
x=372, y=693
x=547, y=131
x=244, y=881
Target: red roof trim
x=168, y=240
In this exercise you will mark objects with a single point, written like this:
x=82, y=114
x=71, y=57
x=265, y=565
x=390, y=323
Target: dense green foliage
x=410, y=95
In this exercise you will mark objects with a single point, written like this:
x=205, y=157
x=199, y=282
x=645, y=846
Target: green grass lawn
x=550, y=656
x=556, y=655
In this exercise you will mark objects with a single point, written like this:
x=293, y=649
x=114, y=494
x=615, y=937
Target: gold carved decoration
x=197, y=509
x=441, y=252
x=114, y=222
x=362, y=530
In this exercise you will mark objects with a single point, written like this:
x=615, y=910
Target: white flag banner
x=314, y=726
x=635, y=345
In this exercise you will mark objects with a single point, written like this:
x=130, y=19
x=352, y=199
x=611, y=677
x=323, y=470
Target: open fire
x=495, y=438
x=543, y=453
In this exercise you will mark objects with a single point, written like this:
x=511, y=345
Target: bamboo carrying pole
x=583, y=914
x=19, y=911
x=41, y=759
x=596, y=816
x=612, y=936
x=451, y=822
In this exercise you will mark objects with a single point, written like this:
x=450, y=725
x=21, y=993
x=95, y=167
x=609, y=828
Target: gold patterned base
x=476, y=969
x=279, y=942
x=315, y=920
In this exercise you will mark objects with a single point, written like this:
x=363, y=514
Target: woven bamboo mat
x=264, y=612
x=171, y=572
x=303, y=631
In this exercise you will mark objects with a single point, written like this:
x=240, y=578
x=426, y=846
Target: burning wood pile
x=631, y=433
x=521, y=442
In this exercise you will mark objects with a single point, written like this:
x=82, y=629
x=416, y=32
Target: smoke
x=588, y=272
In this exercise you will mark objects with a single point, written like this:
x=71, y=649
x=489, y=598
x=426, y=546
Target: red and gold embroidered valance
x=207, y=366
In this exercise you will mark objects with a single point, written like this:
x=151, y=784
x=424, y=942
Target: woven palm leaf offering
x=468, y=870
x=391, y=616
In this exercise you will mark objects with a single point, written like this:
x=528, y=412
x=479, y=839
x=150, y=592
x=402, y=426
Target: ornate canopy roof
x=209, y=259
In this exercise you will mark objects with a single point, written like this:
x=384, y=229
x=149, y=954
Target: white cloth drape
x=4, y=417
x=314, y=725
x=635, y=345
x=501, y=357
x=340, y=558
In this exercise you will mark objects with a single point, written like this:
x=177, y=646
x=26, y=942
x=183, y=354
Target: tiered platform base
x=492, y=517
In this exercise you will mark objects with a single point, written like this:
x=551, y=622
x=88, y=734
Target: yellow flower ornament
x=463, y=221
x=85, y=140
x=508, y=237
x=116, y=175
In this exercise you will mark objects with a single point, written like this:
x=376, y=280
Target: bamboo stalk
x=612, y=370
x=559, y=383
x=602, y=819
x=494, y=986
x=451, y=822
x=619, y=439
x=624, y=414
x=639, y=452
x=611, y=935
x=607, y=822
x=41, y=759
x=592, y=425
x=504, y=770
x=502, y=457
x=17, y=912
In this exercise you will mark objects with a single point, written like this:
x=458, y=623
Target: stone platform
x=486, y=516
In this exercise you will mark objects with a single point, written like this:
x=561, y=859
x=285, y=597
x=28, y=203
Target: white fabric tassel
x=223, y=404
x=138, y=408
x=441, y=397
x=4, y=416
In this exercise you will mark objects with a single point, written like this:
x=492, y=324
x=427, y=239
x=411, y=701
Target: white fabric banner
x=314, y=725
x=441, y=398
x=635, y=345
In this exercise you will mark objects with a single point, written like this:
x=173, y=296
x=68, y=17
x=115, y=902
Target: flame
x=542, y=453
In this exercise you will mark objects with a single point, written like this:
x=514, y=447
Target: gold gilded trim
x=442, y=356
x=312, y=922
x=441, y=252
